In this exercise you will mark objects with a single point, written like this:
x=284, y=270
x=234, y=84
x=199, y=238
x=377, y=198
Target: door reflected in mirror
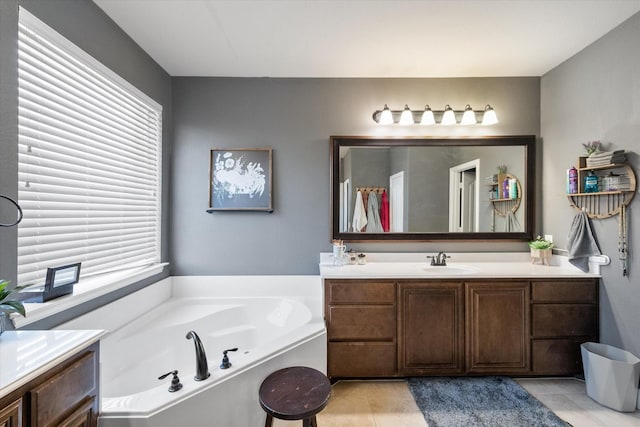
x=432, y=189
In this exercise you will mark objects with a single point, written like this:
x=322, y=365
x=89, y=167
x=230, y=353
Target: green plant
x=540, y=243
x=8, y=305
x=591, y=147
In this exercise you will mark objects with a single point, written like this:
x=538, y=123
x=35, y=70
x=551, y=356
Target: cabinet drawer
x=51, y=400
x=356, y=359
x=83, y=416
x=360, y=292
x=565, y=291
x=564, y=320
x=556, y=357
x=361, y=322
x=11, y=414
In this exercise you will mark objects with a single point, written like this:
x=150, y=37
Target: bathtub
x=274, y=321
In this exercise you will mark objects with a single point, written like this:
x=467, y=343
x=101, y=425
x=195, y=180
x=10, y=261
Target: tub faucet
x=202, y=367
x=440, y=259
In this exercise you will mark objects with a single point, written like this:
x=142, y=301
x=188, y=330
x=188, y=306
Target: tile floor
x=390, y=404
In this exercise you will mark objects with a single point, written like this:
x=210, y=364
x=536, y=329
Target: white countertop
x=462, y=266
x=24, y=355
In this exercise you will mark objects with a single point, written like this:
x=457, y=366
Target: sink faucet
x=202, y=367
x=439, y=260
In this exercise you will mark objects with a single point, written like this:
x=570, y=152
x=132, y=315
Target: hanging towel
x=373, y=214
x=511, y=224
x=359, y=214
x=384, y=212
x=581, y=242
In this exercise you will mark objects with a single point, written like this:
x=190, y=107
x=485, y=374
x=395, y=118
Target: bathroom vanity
x=49, y=378
x=401, y=319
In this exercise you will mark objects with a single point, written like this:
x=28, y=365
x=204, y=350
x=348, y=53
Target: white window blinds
x=89, y=161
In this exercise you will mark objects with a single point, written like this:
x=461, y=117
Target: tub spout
x=202, y=367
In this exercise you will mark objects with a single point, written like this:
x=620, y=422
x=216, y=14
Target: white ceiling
x=365, y=38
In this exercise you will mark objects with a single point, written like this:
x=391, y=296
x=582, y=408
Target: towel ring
x=17, y=207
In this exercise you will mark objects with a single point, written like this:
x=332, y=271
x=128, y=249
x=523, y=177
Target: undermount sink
x=449, y=269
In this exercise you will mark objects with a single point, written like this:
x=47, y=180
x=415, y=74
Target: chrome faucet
x=202, y=367
x=439, y=260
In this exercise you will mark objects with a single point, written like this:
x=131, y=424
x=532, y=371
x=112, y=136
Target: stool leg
x=309, y=422
x=269, y=421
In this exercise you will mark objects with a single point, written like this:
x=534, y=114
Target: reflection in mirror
x=432, y=189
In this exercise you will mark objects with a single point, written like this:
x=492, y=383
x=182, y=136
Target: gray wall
x=595, y=95
x=295, y=117
x=368, y=168
x=427, y=200
x=86, y=25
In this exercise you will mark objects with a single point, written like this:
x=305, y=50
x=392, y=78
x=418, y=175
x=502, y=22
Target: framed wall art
x=240, y=179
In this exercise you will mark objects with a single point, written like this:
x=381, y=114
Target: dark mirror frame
x=526, y=141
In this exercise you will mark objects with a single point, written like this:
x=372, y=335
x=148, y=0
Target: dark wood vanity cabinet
x=497, y=327
x=66, y=396
x=387, y=328
x=361, y=328
x=11, y=414
x=431, y=328
x=564, y=315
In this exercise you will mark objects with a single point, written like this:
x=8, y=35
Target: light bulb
x=386, y=118
x=427, y=116
x=469, y=117
x=448, y=117
x=489, y=117
x=406, y=118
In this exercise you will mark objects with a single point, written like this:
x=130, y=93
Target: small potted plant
x=541, y=250
x=7, y=305
x=591, y=147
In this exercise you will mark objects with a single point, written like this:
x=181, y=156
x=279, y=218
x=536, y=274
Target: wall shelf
x=502, y=206
x=607, y=203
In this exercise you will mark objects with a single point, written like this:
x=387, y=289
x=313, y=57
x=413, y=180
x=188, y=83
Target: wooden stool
x=296, y=393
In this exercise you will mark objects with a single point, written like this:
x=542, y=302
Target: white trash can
x=611, y=375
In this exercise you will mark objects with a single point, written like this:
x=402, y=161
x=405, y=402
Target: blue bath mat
x=479, y=402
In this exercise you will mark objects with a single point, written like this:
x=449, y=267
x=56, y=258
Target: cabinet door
x=497, y=318
x=11, y=415
x=431, y=328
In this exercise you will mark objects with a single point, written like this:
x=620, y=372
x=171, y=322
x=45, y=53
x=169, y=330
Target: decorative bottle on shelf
x=513, y=189
x=591, y=183
x=572, y=180
x=505, y=188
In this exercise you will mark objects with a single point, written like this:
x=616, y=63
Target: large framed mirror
x=427, y=189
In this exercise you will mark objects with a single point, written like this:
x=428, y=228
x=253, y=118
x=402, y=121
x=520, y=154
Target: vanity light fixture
x=468, y=117
x=489, y=117
x=427, y=116
x=406, y=118
x=448, y=117
x=445, y=117
x=385, y=117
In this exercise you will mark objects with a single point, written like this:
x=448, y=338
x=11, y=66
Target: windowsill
x=85, y=291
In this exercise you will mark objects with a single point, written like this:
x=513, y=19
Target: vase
x=543, y=255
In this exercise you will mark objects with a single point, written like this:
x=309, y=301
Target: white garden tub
x=274, y=321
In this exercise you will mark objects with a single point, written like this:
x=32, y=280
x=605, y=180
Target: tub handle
x=225, y=359
x=175, y=381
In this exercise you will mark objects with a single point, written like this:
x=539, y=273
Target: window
x=89, y=161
